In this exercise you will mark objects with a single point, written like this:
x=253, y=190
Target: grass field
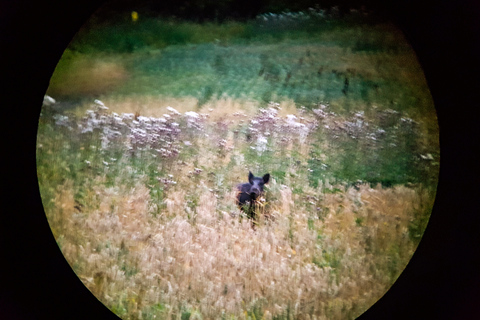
x=140, y=196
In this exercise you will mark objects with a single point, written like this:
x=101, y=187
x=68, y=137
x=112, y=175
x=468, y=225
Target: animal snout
x=255, y=190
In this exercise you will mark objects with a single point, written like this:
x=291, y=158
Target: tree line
x=221, y=10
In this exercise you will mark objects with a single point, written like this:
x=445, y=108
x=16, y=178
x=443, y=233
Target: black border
x=36, y=280
x=442, y=281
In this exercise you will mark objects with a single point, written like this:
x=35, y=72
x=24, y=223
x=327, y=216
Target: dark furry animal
x=250, y=192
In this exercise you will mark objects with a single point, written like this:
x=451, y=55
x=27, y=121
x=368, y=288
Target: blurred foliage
x=314, y=192
x=252, y=60
x=339, y=73
x=352, y=63
x=221, y=10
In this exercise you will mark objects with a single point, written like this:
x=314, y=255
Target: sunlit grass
x=160, y=235
x=334, y=267
x=141, y=197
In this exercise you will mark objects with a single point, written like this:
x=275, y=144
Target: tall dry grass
x=157, y=235
x=141, y=198
x=330, y=266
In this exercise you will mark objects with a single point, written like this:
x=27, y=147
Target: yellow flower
x=134, y=16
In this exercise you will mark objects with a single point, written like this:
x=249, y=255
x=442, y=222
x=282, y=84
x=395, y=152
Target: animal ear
x=266, y=178
x=250, y=177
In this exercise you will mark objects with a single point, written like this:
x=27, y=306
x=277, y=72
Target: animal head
x=257, y=183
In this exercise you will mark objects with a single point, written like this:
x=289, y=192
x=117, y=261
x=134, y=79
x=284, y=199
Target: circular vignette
x=434, y=94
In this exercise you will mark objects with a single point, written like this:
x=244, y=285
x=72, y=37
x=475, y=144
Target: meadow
x=139, y=157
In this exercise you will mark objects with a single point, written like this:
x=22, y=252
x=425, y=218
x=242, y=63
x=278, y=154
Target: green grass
x=305, y=64
x=122, y=35
x=105, y=204
x=347, y=204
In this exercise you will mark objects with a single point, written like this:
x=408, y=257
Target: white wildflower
x=360, y=114
x=174, y=111
x=129, y=116
x=61, y=120
x=261, y=144
x=143, y=119
x=191, y=114
x=428, y=156
x=48, y=101
x=100, y=104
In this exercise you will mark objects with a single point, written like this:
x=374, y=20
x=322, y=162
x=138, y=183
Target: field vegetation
x=155, y=125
